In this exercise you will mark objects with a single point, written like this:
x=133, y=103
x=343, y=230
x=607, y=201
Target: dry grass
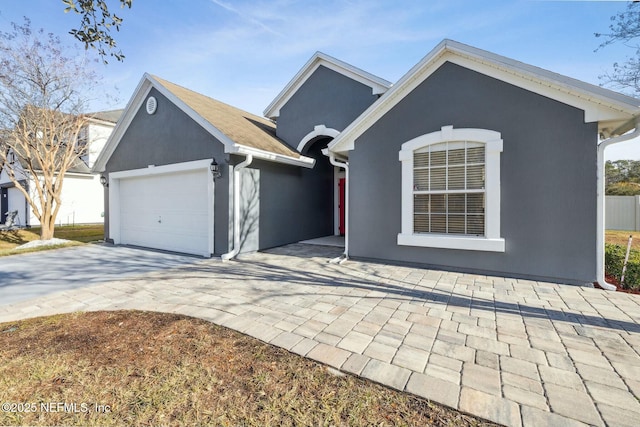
x=163, y=369
x=621, y=238
x=11, y=239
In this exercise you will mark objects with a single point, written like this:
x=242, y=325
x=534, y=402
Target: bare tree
x=42, y=96
x=624, y=28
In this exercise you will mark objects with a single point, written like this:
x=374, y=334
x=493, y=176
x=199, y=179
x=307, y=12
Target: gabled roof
x=612, y=111
x=110, y=116
x=377, y=84
x=77, y=165
x=239, y=131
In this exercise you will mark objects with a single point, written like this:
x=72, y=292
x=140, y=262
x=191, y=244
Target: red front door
x=341, y=206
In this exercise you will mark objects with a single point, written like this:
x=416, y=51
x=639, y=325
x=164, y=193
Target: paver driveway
x=512, y=351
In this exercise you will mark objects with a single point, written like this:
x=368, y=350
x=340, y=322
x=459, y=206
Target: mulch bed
x=614, y=281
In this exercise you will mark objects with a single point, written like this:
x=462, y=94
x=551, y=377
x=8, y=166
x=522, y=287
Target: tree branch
x=96, y=24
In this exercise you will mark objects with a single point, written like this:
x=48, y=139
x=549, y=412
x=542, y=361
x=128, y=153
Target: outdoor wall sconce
x=104, y=181
x=215, y=169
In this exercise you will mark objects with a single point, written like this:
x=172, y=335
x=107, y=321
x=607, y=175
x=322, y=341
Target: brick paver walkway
x=512, y=351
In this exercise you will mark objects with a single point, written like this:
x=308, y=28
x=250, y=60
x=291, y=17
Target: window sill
x=452, y=242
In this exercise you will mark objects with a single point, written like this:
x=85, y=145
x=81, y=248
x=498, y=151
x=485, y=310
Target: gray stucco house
x=471, y=162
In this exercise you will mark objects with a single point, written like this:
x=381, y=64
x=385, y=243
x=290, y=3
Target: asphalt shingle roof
x=240, y=126
x=107, y=116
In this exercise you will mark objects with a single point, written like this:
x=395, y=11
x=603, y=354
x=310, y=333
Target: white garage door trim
x=114, y=194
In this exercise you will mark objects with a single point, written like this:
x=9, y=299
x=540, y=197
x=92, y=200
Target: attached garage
x=165, y=207
x=159, y=167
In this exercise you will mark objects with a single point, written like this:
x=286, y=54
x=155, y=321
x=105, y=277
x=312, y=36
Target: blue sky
x=244, y=52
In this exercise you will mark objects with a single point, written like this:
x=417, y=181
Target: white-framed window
x=451, y=190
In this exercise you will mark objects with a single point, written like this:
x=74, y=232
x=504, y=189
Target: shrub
x=623, y=189
x=614, y=261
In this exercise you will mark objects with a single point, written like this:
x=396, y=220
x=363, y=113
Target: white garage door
x=169, y=211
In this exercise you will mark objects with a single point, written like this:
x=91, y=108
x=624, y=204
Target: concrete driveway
x=36, y=274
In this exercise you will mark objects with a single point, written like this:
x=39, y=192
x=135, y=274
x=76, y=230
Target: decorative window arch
x=319, y=130
x=451, y=190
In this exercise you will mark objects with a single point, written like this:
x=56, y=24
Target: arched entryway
x=328, y=180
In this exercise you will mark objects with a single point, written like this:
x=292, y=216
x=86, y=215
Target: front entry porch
x=336, y=241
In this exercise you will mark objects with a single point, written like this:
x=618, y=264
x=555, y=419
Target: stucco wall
x=326, y=98
x=81, y=201
x=98, y=135
x=548, y=178
x=295, y=203
x=249, y=210
x=170, y=136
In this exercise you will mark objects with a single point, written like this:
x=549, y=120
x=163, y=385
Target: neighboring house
x=82, y=194
x=471, y=162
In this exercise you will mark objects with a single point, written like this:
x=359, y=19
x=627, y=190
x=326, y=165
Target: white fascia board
x=597, y=106
x=79, y=175
x=377, y=84
x=303, y=161
x=581, y=89
x=163, y=169
x=595, y=109
x=93, y=120
x=338, y=157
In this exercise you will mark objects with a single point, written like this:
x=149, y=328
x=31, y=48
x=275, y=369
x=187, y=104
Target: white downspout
x=345, y=166
x=236, y=208
x=601, y=202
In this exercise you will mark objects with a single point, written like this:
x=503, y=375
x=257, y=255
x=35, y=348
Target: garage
x=165, y=207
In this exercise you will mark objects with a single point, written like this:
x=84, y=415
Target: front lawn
x=618, y=237
x=9, y=240
x=142, y=368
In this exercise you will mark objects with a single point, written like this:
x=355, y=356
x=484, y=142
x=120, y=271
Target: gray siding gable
x=168, y=136
x=326, y=98
x=548, y=178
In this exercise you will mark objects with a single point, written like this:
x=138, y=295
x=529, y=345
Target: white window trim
x=492, y=241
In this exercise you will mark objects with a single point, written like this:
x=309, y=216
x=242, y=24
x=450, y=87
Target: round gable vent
x=152, y=104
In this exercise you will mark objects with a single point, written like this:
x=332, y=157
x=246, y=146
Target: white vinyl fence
x=622, y=213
